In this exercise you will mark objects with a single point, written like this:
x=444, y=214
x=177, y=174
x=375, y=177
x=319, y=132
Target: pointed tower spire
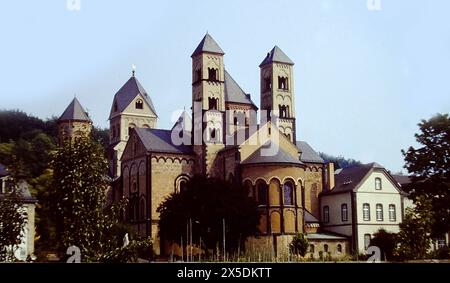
x=208, y=44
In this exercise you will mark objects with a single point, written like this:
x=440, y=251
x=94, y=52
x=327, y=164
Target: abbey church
x=221, y=137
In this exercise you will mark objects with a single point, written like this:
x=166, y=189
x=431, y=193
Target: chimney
x=330, y=176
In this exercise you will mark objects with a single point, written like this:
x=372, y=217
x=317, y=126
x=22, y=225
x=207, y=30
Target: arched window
x=325, y=248
x=181, y=184
x=142, y=209
x=326, y=214
x=392, y=213
x=377, y=183
x=267, y=84
x=213, y=134
x=339, y=248
x=379, y=211
x=198, y=75
x=212, y=103
x=288, y=191
x=366, y=212
x=262, y=193
x=367, y=239
x=212, y=74
x=139, y=104
x=344, y=212
x=311, y=248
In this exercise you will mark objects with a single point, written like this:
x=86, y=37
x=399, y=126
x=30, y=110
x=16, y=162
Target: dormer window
x=377, y=183
x=139, y=104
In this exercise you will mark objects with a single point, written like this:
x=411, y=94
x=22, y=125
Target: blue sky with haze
x=363, y=79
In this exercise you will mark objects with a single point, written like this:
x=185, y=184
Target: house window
x=325, y=248
x=262, y=194
x=366, y=241
x=344, y=212
x=326, y=214
x=392, y=214
x=288, y=189
x=366, y=212
x=441, y=242
x=377, y=183
x=379, y=209
x=339, y=248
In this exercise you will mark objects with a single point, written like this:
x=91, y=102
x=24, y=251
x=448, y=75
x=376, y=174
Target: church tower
x=208, y=104
x=131, y=107
x=277, y=90
x=73, y=123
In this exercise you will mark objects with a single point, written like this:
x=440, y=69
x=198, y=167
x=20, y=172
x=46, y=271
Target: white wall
x=388, y=194
x=336, y=224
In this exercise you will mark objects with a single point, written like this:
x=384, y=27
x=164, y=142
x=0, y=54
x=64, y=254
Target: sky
x=365, y=75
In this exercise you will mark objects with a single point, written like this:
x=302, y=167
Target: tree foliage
x=414, y=237
x=386, y=242
x=429, y=166
x=206, y=202
x=77, y=201
x=299, y=245
x=340, y=162
x=12, y=222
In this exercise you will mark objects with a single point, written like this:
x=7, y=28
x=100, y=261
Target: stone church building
x=222, y=139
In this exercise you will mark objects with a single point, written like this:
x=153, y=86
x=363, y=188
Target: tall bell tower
x=277, y=90
x=208, y=104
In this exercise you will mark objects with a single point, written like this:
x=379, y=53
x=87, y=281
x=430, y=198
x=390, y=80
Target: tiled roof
x=74, y=112
x=259, y=157
x=308, y=153
x=234, y=93
x=157, y=140
x=208, y=44
x=276, y=55
x=402, y=179
x=127, y=93
x=309, y=218
x=349, y=178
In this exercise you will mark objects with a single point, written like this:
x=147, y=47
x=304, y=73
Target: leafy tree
x=30, y=155
x=101, y=135
x=206, y=202
x=385, y=241
x=77, y=205
x=78, y=195
x=414, y=237
x=299, y=245
x=429, y=166
x=12, y=222
x=339, y=161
